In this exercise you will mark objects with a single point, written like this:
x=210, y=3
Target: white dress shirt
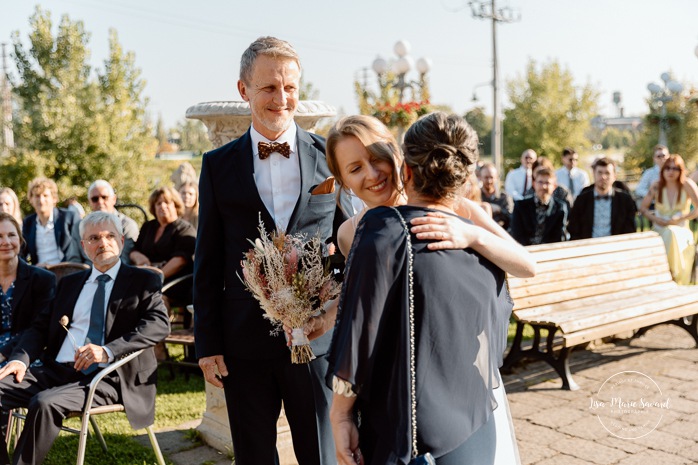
x=649, y=177
x=580, y=179
x=47, y=249
x=278, y=178
x=80, y=322
x=517, y=182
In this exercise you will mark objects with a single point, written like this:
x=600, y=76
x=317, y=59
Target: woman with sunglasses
x=673, y=194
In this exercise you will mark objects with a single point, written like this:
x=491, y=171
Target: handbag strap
x=413, y=369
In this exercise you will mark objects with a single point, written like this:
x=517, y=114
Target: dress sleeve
x=368, y=301
x=183, y=240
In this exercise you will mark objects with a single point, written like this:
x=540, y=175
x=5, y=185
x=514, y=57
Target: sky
x=189, y=51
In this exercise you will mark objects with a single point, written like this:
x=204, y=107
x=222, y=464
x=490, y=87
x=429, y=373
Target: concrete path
x=556, y=427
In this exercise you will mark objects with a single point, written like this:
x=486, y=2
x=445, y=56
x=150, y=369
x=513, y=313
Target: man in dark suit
x=51, y=233
x=603, y=210
x=542, y=218
x=246, y=180
x=111, y=310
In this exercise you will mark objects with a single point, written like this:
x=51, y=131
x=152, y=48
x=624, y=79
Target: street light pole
x=661, y=96
x=487, y=9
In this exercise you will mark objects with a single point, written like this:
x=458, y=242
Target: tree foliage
x=482, y=124
x=548, y=112
x=193, y=136
x=682, y=132
x=75, y=125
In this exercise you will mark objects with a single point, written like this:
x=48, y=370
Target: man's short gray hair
x=101, y=183
x=271, y=46
x=99, y=217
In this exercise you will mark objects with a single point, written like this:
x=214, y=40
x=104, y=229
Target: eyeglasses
x=95, y=198
x=92, y=240
x=672, y=168
x=661, y=155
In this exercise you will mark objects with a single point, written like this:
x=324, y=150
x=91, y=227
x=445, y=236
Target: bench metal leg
x=689, y=323
x=559, y=362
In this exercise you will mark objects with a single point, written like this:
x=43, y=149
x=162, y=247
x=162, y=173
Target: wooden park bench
x=595, y=288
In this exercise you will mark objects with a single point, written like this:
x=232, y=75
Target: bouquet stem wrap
x=301, y=352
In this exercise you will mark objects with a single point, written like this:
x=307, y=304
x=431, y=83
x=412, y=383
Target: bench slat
x=572, y=294
x=580, y=337
x=606, y=274
x=537, y=313
x=626, y=312
x=561, y=270
x=565, y=250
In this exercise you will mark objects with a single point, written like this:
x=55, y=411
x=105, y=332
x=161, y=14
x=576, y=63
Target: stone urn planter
x=225, y=122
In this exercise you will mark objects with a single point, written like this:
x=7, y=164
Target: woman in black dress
x=461, y=312
x=167, y=242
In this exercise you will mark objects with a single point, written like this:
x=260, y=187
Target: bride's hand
x=447, y=231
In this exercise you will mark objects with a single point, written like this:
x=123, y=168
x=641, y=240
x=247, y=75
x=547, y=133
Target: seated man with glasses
x=102, y=198
x=541, y=218
x=97, y=316
x=651, y=175
x=603, y=210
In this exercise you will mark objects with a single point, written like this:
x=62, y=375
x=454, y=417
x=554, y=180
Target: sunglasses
x=96, y=198
x=672, y=168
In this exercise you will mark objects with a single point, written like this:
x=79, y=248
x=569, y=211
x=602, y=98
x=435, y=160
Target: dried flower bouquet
x=287, y=275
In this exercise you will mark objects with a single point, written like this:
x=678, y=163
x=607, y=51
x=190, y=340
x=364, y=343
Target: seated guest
x=102, y=197
x=471, y=191
x=540, y=219
x=25, y=290
x=135, y=319
x=502, y=204
x=603, y=210
x=651, y=175
x=9, y=203
x=675, y=198
x=520, y=180
x=167, y=242
x=569, y=176
x=560, y=192
x=189, y=191
x=51, y=233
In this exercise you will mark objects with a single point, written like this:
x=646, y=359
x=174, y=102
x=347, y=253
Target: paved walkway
x=556, y=427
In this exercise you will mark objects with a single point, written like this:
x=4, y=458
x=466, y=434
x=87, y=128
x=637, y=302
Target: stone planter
x=227, y=121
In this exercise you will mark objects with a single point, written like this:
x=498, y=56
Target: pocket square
x=325, y=187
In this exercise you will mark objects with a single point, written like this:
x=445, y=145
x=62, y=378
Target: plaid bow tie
x=266, y=149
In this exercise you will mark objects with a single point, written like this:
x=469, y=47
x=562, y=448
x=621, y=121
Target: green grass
x=178, y=400
x=527, y=332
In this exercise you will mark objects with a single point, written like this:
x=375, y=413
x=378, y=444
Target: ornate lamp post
x=400, y=67
x=660, y=96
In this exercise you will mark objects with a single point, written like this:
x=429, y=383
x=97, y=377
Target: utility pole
x=8, y=140
x=487, y=9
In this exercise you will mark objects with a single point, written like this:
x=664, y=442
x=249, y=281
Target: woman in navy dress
x=461, y=315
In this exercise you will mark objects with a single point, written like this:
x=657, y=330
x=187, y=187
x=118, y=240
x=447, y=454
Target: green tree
x=482, y=124
x=193, y=136
x=307, y=91
x=682, y=132
x=548, y=112
x=75, y=125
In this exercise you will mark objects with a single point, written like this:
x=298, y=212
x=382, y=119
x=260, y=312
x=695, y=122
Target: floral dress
x=6, y=310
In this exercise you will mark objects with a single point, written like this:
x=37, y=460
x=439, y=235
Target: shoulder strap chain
x=413, y=369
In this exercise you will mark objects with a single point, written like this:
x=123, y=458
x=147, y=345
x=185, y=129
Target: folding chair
x=87, y=415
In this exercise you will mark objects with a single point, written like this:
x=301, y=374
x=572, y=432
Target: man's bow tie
x=267, y=148
x=603, y=197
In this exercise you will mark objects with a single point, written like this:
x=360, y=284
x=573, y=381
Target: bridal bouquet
x=287, y=275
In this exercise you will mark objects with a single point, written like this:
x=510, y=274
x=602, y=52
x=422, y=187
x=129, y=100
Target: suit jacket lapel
x=243, y=166
x=308, y=158
x=73, y=295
